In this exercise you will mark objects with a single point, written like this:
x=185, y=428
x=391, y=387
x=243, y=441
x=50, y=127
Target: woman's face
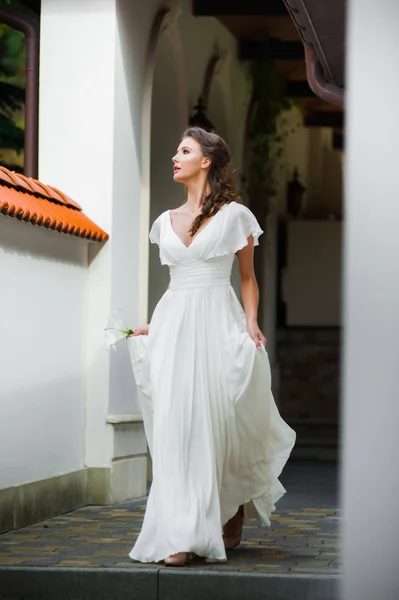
x=189, y=162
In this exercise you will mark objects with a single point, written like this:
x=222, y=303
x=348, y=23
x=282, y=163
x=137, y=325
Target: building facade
x=119, y=80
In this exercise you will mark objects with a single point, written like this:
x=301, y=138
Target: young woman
x=217, y=441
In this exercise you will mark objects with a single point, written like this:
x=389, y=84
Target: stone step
x=315, y=429
x=152, y=583
x=311, y=450
x=83, y=555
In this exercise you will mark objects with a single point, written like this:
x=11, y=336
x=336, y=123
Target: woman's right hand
x=143, y=330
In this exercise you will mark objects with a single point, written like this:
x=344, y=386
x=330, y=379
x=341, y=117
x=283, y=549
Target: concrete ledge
x=78, y=584
x=237, y=585
x=98, y=485
x=128, y=478
x=126, y=418
x=36, y=501
x=32, y=502
x=29, y=503
x=152, y=583
x=6, y=509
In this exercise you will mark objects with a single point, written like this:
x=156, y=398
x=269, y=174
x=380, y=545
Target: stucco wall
x=97, y=158
x=129, y=241
x=43, y=285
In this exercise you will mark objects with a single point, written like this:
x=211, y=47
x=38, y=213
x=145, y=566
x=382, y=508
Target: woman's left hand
x=256, y=334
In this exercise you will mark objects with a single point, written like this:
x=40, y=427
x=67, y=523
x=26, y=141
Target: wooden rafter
x=298, y=89
x=325, y=118
x=219, y=8
x=274, y=48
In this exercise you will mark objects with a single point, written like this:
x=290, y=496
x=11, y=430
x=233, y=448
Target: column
x=92, y=67
x=370, y=410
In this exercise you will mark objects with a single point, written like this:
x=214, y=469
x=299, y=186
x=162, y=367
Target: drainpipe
x=30, y=28
x=318, y=84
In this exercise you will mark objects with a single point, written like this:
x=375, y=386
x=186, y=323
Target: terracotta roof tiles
x=30, y=200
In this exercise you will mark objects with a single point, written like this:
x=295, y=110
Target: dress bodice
x=199, y=273
x=208, y=259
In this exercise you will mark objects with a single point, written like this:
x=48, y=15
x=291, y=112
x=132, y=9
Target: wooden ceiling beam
x=222, y=8
x=273, y=48
x=298, y=89
x=325, y=118
x=257, y=27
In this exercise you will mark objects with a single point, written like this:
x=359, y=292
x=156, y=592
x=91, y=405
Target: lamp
x=199, y=118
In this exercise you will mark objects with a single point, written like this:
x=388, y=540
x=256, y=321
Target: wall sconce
x=295, y=195
x=199, y=118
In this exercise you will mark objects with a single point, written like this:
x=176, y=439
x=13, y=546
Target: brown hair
x=220, y=174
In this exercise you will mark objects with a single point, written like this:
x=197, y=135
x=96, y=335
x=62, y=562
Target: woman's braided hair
x=222, y=188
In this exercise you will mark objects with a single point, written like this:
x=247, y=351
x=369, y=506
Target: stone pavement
x=302, y=541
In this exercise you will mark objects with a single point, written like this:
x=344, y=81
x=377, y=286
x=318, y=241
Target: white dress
x=215, y=435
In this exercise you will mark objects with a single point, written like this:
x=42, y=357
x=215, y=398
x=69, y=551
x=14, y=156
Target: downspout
x=318, y=84
x=30, y=28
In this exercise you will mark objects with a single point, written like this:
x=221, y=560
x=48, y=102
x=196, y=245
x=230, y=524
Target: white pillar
x=92, y=71
x=370, y=476
x=77, y=70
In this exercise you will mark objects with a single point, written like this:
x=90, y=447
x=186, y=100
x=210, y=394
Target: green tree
x=12, y=86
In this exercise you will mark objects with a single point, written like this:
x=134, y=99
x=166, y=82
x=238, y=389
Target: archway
x=168, y=120
x=217, y=110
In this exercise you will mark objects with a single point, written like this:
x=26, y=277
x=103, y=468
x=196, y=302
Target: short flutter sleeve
x=243, y=224
x=155, y=231
x=238, y=223
x=157, y=236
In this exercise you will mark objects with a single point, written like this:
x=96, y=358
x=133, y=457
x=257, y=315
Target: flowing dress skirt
x=215, y=435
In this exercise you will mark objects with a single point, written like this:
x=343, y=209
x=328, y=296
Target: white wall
x=370, y=405
x=91, y=94
x=129, y=244
x=312, y=277
x=43, y=287
x=167, y=126
x=77, y=101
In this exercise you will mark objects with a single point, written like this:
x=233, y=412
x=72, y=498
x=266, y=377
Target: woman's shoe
x=177, y=560
x=232, y=531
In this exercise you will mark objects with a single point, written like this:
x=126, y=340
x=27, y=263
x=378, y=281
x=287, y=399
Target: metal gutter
x=315, y=76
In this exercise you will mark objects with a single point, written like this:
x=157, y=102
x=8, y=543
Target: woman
x=216, y=438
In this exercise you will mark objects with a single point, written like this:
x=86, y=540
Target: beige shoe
x=177, y=560
x=232, y=531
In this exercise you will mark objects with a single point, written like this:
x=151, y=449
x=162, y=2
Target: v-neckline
x=197, y=234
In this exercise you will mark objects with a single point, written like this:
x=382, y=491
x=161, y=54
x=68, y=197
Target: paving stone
x=304, y=538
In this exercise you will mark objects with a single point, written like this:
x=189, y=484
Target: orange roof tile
x=30, y=200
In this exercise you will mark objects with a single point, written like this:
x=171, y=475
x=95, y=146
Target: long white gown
x=214, y=432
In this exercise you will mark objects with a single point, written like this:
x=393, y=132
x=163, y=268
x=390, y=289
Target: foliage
x=12, y=86
x=268, y=102
x=12, y=93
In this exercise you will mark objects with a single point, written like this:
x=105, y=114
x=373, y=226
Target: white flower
x=116, y=330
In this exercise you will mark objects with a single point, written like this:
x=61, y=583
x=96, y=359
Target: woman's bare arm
x=250, y=292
